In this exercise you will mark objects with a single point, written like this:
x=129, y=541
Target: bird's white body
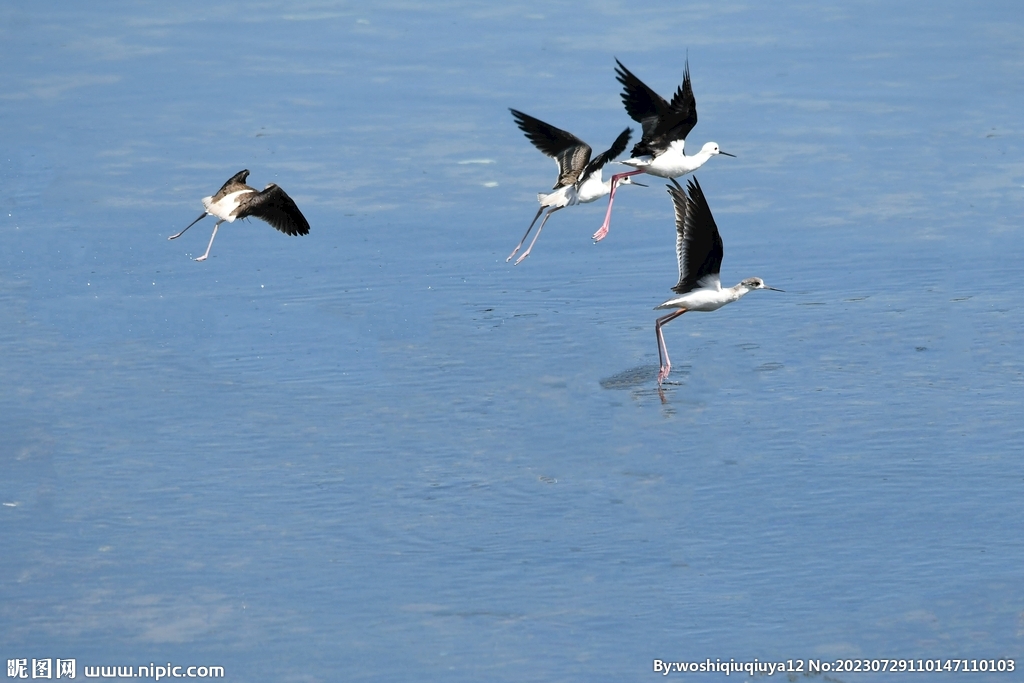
x=225, y=207
x=709, y=297
x=593, y=188
x=590, y=190
x=563, y=196
x=673, y=162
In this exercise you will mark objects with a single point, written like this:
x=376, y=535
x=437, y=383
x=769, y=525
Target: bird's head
x=628, y=180
x=712, y=149
x=757, y=283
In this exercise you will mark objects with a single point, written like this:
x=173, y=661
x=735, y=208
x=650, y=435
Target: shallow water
x=380, y=451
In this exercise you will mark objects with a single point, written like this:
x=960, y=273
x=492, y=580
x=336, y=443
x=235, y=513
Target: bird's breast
x=225, y=207
x=593, y=188
x=672, y=164
x=700, y=300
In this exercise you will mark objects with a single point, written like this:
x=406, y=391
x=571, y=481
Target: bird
x=699, y=252
x=665, y=127
x=235, y=199
x=579, y=177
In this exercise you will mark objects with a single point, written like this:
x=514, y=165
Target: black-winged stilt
x=237, y=200
x=665, y=127
x=699, y=250
x=579, y=177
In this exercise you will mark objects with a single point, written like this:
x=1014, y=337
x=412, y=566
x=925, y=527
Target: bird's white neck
x=594, y=187
x=699, y=158
x=736, y=292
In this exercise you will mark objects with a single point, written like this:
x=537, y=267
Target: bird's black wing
x=237, y=178
x=569, y=152
x=617, y=148
x=698, y=244
x=662, y=122
x=684, y=106
x=234, y=183
x=276, y=208
x=643, y=105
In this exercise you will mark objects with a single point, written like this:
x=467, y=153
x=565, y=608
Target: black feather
x=569, y=152
x=662, y=122
x=275, y=207
x=617, y=148
x=698, y=244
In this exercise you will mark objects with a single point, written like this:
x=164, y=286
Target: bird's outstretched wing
x=642, y=104
x=238, y=178
x=276, y=208
x=234, y=183
x=662, y=122
x=684, y=105
x=698, y=243
x=569, y=152
x=617, y=148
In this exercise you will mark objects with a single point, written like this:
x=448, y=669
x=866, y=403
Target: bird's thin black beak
x=633, y=182
x=204, y=215
x=774, y=289
x=727, y=154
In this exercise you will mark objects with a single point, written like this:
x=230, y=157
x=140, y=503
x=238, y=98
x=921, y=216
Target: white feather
x=225, y=207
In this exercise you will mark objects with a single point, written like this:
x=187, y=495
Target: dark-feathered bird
x=699, y=252
x=665, y=127
x=579, y=177
x=237, y=200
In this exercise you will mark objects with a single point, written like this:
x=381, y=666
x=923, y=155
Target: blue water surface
x=380, y=452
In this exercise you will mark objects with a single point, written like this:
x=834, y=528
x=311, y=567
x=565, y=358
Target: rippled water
x=380, y=451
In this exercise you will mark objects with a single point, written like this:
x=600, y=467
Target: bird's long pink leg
x=518, y=246
x=666, y=364
x=527, y=252
x=203, y=257
x=603, y=230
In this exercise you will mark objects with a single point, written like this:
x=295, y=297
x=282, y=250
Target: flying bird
x=579, y=177
x=665, y=127
x=699, y=252
x=237, y=200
